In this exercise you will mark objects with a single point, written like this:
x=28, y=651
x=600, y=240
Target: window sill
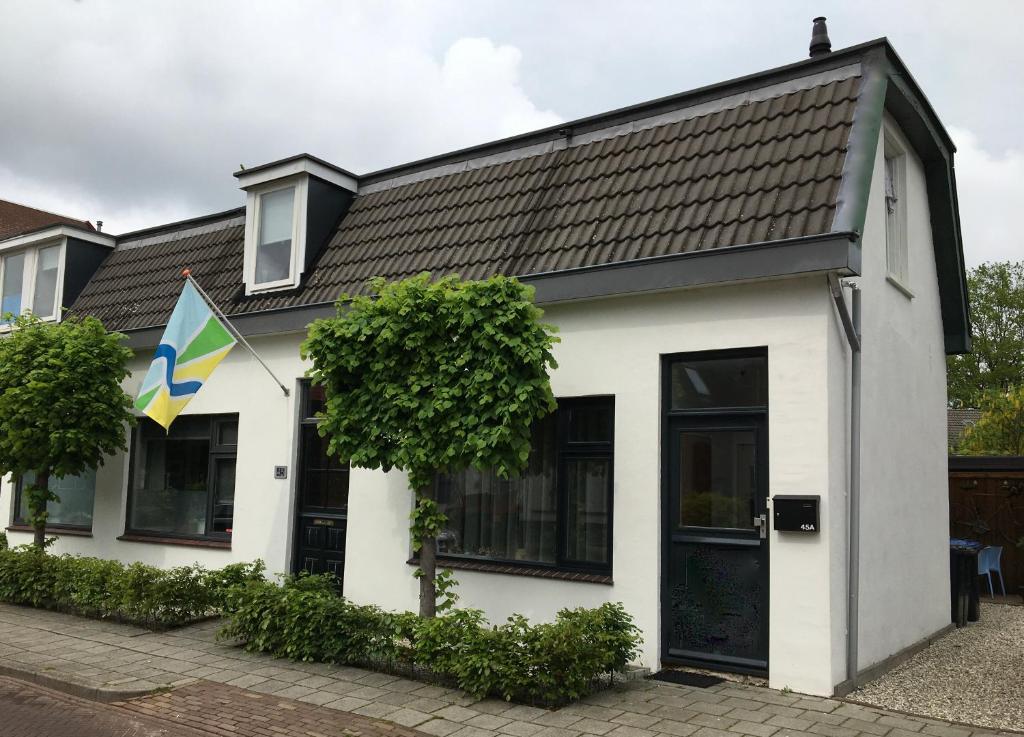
x=70, y=531
x=135, y=538
x=518, y=570
x=900, y=286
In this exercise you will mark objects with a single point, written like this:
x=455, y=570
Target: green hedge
x=305, y=619
x=135, y=593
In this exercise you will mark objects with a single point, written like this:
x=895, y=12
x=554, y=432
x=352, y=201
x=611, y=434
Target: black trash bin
x=963, y=581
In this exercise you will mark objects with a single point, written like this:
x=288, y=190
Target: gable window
x=897, y=256
x=183, y=481
x=274, y=246
x=73, y=509
x=31, y=280
x=557, y=513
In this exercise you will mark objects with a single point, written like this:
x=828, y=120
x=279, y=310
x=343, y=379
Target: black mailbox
x=795, y=513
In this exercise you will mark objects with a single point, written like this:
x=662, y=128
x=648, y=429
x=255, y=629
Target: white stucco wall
x=614, y=347
x=266, y=430
x=904, y=576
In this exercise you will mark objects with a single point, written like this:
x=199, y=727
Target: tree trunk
x=37, y=509
x=428, y=565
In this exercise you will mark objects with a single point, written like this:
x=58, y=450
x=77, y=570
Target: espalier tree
x=62, y=408
x=433, y=377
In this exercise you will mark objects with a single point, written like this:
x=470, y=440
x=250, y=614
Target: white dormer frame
x=263, y=180
x=254, y=199
x=30, y=245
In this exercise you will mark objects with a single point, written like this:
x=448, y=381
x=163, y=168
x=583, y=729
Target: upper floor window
x=276, y=236
x=30, y=280
x=896, y=251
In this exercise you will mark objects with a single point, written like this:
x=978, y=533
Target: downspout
x=852, y=327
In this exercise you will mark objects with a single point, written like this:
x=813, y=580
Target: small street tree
x=996, y=362
x=62, y=408
x=1000, y=429
x=433, y=377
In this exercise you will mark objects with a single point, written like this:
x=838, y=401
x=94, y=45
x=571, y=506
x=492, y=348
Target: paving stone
x=293, y=692
x=318, y=697
x=439, y=727
x=246, y=681
x=487, y=721
x=557, y=719
x=525, y=713
x=347, y=703
x=713, y=721
x=755, y=729
x=587, y=725
x=558, y=732
x=626, y=731
x=945, y=730
x=521, y=729
x=868, y=728
x=455, y=713
x=377, y=679
x=474, y=732
x=408, y=717
x=712, y=732
x=825, y=705
x=853, y=711
x=674, y=727
x=431, y=706
x=376, y=710
x=791, y=723
x=747, y=715
x=370, y=693
x=594, y=711
x=783, y=711
x=831, y=730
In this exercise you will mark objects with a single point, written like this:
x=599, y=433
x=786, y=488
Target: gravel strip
x=973, y=675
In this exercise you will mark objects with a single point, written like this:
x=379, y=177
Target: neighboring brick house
x=957, y=421
x=690, y=251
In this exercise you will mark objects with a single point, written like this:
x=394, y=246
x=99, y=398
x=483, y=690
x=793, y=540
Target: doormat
x=686, y=678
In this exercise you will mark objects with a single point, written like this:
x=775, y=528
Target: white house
x=697, y=254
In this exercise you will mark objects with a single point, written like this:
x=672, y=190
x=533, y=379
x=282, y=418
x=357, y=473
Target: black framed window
x=557, y=513
x=73, y=511
x=324, y=486
x=182, y=482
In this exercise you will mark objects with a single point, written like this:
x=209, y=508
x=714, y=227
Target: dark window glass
x=717, y=469
x=587, y=484
x=183, y=481
x=325, y=479
x=566, y=487
x=589, y=422
x=74, y=509
x=719, y=382
x=316, y=401
x=514, y=519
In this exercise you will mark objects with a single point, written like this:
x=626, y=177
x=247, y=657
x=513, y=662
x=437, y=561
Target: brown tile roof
x=958, y=420
x=17, y=219
x=754, y=172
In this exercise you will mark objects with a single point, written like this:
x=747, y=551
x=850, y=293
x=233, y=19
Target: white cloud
x=991, y=193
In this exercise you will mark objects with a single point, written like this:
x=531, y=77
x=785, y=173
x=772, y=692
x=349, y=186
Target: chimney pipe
x=820, y=43
x=99, y=226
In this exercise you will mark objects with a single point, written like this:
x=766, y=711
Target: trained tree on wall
x=996, y=362
x=433, y=377
x=62, y=409
x=1000, y=429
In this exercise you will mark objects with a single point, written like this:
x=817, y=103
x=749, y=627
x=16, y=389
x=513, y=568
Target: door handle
x=761, y=523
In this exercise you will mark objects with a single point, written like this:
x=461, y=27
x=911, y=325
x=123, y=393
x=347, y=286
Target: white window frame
x=28, y=277
x=897, y=245
x=254, y=201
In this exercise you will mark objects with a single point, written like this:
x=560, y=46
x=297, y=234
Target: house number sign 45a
x=796, y=513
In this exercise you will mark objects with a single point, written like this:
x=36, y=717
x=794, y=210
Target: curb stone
x=64, y=684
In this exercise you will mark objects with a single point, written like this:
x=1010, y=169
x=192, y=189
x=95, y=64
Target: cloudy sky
x=137, y=113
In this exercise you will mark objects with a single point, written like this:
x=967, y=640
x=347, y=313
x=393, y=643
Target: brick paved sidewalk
x=109, y=658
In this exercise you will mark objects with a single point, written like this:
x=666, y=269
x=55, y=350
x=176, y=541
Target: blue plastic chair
x=989, y=561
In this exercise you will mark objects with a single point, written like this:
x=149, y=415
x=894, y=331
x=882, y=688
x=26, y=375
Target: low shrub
x=135, y=593
x=3, y=541
x=305, y=619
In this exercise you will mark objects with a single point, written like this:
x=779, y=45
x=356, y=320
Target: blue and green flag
x=194, y=342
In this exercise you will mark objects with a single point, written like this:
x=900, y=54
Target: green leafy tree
x=62, y=408
x=1000, y=429
x=433, y=377
x=997, y=319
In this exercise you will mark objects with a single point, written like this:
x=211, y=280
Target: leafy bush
x=136, y=593
x=305, y=619
x=3, y=541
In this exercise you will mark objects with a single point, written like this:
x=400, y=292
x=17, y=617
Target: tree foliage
x=1000, y=429
x=62, y=408
x=433, y=377
x=997, y=319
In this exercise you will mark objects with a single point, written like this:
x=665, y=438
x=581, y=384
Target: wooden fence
x=986, y=503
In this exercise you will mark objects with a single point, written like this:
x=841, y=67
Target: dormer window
x=46, y=270
x=276, y=237
x=30, y=281
x=292, y=207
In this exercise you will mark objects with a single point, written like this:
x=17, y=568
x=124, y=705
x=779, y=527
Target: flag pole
x=187, y=273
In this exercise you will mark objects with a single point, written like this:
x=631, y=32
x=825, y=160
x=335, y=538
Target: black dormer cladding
x=81, y=261
x=326, y=206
